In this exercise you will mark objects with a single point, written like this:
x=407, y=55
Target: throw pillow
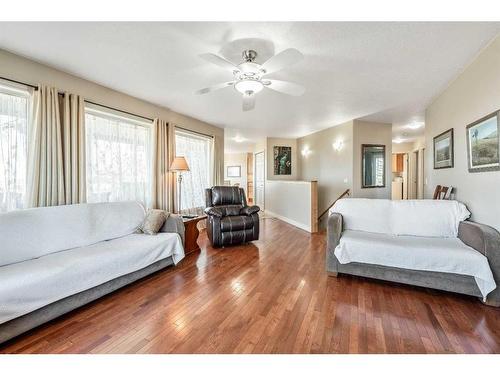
x=153, y=221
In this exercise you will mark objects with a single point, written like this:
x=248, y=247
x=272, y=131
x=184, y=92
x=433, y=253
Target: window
x=14, y=103
x=198, y=151
x=118, y=157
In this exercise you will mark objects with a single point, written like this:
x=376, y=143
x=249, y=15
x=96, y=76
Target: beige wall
x=239, y=159
x=403, y=148
x=331, y=168
x=474, y=94
x=371, y=133
x=271, y=142
x=28, y=71
x=290, y=201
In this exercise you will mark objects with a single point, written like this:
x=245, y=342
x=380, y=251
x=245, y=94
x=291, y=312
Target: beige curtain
x=163, y=153
x=46, y=170
x=56, y=169
x=73, y=135
x=218, y=162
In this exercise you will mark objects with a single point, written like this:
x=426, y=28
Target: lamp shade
x=179, y=164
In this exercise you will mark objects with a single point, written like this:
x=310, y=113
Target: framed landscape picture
x=443, y=150
x=483, y=144
x=282, y=160
x=234, y=171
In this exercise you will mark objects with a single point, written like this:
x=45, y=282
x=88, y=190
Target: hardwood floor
x=271, y=296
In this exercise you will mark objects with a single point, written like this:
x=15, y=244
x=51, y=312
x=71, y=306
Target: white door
x=260, y=179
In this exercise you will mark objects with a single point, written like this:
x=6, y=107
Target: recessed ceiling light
x=398, y=140
x=415, y=125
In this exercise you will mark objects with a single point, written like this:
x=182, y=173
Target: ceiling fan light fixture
x=248, y=86
x=248, y=75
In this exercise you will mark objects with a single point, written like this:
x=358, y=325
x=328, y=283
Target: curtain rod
x=105, y=106
x=86, y=101
x=119, y=110
x=194, y=131
x=20, y=83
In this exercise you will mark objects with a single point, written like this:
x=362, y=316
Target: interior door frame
x=263, y=152
x=414, y=173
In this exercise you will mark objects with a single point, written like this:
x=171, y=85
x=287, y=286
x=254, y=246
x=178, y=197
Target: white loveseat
x=55, y=259
x=421, y=242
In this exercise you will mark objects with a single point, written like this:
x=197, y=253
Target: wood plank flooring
x=271, y=296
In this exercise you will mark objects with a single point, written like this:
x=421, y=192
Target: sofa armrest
x=249, y=210
x=174, y=224
x=486, y=240
x=213, y=211
x=334, y=232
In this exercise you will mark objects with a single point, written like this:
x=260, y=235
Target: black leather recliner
x=230, y=220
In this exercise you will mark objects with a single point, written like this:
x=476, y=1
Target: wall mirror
x=373, y=166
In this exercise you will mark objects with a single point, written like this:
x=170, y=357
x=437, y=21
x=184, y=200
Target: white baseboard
x=307, y=228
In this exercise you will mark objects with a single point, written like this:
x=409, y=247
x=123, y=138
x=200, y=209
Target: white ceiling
x=383, y=71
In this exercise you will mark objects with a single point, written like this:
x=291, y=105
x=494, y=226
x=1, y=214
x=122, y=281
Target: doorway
x=260, y=179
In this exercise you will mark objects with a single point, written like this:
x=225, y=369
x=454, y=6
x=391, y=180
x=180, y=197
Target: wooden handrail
x=347, y=192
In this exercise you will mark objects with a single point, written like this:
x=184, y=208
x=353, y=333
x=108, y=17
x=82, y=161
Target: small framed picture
x=443, y=150
x=483, y=144
x=234, y=171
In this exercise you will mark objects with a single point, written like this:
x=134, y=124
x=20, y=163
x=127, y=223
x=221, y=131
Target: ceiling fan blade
x=248, y=102
x=206, y=90
x=283, y=59
x=285, y=87
x=220, y=61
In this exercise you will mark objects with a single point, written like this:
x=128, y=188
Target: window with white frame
x=119, y=155
x=198, y=151
x=14, y=132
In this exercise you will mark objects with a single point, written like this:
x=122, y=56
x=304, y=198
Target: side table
x=191, y=233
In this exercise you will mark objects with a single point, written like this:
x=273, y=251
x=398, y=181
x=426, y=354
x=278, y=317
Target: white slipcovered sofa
x=427, y=243
x=55, y=259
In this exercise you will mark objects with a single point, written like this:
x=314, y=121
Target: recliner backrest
x=225, y=195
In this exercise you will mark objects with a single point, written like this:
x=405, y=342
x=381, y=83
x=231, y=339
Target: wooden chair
x=442, y=192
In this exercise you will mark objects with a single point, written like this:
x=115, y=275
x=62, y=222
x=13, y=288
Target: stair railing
x=344, y=194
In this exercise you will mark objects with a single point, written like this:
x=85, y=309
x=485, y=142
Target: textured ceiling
x=381, y=71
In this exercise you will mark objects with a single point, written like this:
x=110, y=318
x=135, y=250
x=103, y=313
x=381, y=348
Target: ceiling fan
x=249, y=76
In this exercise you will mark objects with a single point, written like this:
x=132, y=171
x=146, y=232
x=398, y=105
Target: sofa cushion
x=423, y=217
x=27, y=286
x=32, y=233
x=448, y=255
x=426, y=217
x=369, y=215
x=230, y=209
x=233, y=223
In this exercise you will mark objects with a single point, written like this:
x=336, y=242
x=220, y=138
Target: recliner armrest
x=249, y=210
x=213, y=211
